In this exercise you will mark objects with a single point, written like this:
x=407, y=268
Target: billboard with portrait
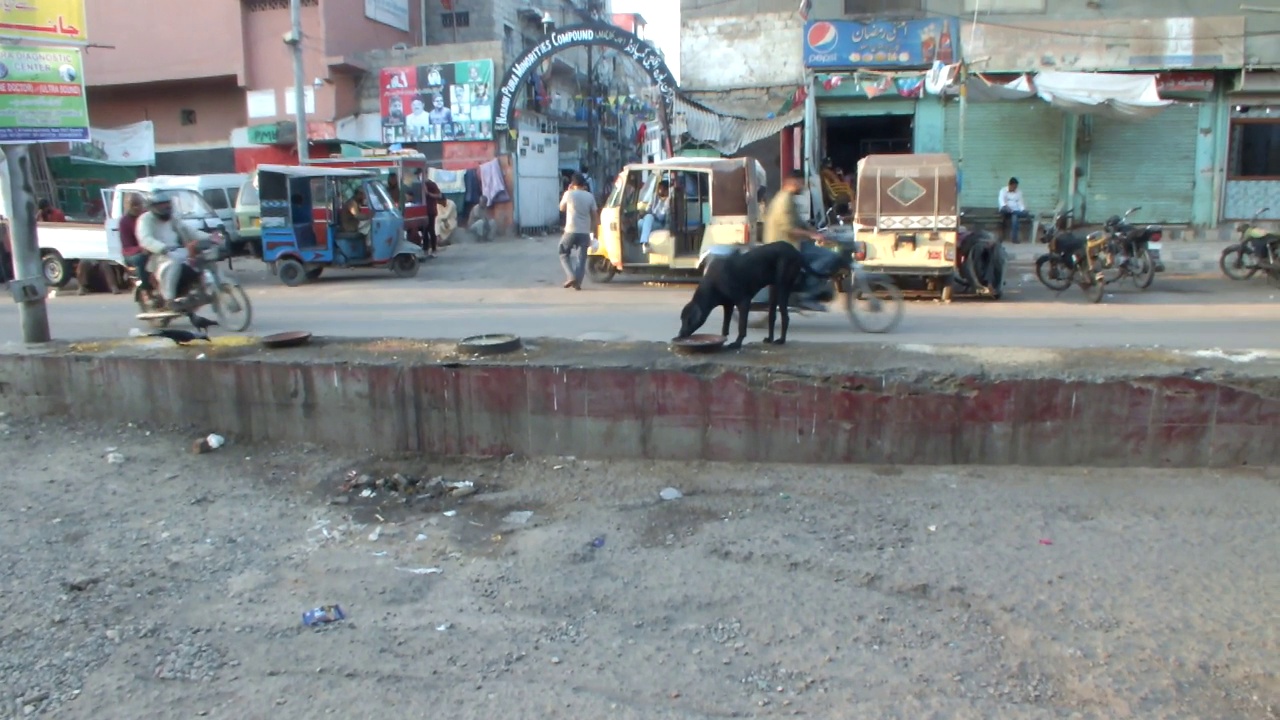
x=438, y=102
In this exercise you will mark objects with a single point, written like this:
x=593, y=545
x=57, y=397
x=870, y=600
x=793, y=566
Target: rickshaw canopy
x=298, y=171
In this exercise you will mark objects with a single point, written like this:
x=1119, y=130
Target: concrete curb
x=937, y=409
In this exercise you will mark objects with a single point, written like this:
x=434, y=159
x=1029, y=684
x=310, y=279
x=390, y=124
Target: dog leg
x=743, y=308
x=784, y=300
x=773, y=311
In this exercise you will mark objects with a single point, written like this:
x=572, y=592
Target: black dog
x=733, y=281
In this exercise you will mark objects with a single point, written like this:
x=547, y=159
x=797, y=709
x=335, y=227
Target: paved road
x=514, y=286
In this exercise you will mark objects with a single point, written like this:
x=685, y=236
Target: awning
x=1123, y=97
x=1115, y=95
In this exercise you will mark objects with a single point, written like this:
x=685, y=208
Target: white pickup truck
x=64, y=245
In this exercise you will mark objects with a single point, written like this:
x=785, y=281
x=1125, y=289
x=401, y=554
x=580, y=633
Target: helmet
x=160, y=197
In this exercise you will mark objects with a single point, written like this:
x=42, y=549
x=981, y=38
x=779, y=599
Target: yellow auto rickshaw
x=906, y=214
x=709, y=202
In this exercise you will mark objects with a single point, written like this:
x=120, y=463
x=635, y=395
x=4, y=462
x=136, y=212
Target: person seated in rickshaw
x=356, y=220
x=657, y=214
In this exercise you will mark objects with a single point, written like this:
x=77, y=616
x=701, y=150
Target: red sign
x=1184, y=82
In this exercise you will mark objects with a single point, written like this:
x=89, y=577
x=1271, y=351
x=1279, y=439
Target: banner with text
x=54, y=21
x=434, y=103
x=42, y=95
x=130, y=145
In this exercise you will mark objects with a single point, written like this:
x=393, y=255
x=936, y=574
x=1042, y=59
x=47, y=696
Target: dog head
x=691, y=318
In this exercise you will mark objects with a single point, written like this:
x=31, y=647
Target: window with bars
x=456, y=19
x=261, y=5
x=884, y=8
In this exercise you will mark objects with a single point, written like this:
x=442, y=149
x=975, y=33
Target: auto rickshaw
x=406, y=167
x=905, y=212
x=711, y=201
x=302, y=231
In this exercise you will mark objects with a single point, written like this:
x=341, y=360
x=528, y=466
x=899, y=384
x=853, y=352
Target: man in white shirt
x=1012, y=208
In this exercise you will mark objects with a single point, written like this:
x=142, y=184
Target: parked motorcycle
x=1056, y=268
x=214, y=287
x=1258, y=249
x=1117, y=252
x=1139, y=244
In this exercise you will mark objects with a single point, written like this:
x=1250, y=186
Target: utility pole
x=299, y=91
x=592, y=16
x=29, y=289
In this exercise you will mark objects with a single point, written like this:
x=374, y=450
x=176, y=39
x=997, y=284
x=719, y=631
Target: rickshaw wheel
x=291, y=272
x=404, y=265
x=600, y=269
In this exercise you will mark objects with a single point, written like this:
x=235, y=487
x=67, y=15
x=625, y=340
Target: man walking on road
x=580, y=216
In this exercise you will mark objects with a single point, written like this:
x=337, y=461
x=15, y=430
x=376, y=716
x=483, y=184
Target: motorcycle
x=213, y=286
x=873, y=301
x=1120, y=247
x=1258, y=249
x=1056, y=269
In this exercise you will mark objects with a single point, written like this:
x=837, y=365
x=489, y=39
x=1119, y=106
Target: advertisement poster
x=129, y=146
x=435, y=103
x=47, y=20
x=839, y=44
x=42, y=95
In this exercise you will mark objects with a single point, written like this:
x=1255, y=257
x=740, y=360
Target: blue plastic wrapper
x=322, y=615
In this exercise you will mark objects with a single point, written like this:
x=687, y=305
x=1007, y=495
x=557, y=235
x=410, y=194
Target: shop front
x=1001, y=140
x=1149, y=162
x=1253, y=149
x=868, y=88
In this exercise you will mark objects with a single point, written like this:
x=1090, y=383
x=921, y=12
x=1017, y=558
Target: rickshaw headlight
x=859, y=251
x=949, y=252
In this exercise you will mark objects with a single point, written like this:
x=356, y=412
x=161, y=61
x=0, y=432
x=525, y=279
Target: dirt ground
x=142, y=580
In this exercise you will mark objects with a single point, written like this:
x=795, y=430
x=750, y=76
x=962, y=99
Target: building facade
x=1213, y=155
x=207, y=73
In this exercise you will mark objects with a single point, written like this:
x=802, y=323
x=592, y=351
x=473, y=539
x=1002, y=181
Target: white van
x=220, y=190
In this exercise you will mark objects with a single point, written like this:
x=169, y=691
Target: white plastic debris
x=444, y=626
x=422, y=537
x=518, y=517
x=450, y=513
x=215, y=441
x=421, y=571
x=670, y=494
x=377, y=532
x=115, y=458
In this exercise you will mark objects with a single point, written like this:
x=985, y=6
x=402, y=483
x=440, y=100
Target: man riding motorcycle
x=172, y=245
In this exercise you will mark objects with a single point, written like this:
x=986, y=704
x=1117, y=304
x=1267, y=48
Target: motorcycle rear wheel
x=1232, y=263
x=1146, y=273
x=231, y=305
x=875, y=305
x=1052, y=274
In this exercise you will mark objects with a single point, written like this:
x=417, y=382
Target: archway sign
x=600, y=35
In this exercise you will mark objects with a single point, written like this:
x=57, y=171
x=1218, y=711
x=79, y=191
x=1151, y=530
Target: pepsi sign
x=845, y=44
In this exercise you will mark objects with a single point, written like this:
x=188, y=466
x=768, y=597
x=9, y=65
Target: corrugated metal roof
x=727, y=133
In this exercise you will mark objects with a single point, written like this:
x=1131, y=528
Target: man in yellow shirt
x=782, y=223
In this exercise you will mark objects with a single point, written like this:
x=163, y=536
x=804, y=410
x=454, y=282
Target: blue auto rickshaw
x=316, y=217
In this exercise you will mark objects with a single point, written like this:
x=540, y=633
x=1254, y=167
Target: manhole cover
x=906, y=191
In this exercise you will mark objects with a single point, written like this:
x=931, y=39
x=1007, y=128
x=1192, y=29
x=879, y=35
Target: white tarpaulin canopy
x=1124, y=97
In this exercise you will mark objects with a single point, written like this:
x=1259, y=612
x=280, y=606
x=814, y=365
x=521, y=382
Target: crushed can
x=323, y=615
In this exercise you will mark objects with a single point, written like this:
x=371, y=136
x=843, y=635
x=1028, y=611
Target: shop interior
x=849, y=139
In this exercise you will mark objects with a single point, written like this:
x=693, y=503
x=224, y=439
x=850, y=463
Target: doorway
x=849, y=139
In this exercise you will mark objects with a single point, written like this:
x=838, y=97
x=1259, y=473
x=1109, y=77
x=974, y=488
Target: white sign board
x=131, y=145
x=388, y=12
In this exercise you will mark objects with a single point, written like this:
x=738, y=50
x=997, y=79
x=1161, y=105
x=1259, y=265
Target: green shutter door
x=1003, y=140
x=1151, y=163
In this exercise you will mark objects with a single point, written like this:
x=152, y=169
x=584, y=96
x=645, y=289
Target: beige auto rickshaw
x=711, y=202
x=906, y=213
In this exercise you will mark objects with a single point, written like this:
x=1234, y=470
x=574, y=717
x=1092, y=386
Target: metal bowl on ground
x=290, y=339
x=495, y=344
x=699, y=343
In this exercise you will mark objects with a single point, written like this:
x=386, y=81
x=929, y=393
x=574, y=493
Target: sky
x=663, y=18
